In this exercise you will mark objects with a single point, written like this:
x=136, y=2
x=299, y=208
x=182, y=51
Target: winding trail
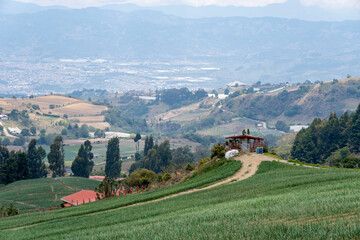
x=250, y=164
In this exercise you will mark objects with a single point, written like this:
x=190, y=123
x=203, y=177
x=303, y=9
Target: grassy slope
x=107, y=204
x=279, y=202
x=37, y=193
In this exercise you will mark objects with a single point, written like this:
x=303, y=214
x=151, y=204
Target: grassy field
x=279, y=202
x=112, y=203
x=42, y=193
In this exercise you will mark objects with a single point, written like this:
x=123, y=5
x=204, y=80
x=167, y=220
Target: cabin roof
x=244, y=137
x=81, y=197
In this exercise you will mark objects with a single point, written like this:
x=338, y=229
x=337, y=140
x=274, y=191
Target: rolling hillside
x=297, y=106
x=42, y=193
x=279, y=202
x=48, y=107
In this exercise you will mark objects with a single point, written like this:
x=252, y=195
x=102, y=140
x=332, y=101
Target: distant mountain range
x=246, y=49
x=292, y=9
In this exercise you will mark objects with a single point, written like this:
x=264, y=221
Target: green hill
x=279, y=202
x=42, y=193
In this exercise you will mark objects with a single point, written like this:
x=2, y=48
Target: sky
x=327, y=4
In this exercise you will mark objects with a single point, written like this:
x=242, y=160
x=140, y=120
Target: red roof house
x=245, y=142
x=81, y=197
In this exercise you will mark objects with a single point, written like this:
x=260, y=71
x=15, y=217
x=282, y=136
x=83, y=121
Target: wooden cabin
x=245, y=142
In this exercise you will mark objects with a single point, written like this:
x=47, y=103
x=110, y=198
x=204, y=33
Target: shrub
x=141, y=177
x=218, y=151
x=166, y=177
x=189, y=167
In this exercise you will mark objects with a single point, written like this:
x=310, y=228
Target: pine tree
x=22, y=166
x=82, y=165
x=113, y=162
x=36, y=165
x=149, y=144
x=56, y=157
x=354, y=131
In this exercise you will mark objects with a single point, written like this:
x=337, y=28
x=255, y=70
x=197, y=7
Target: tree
x=64, y=132
x=4, y=155
x=20, y=141
x=141, y=177
x=56, y=157
x=113, y=162
x=282, y=126
x=33, y=130
x=36, y=165
x=149, y=143
x=82, y=165
x=22, y=166
x=136, y=140
x=107, y=188
x=99, y=133
x=182, y=156
x=227, y=91
x=84, y=131
x=25, y=132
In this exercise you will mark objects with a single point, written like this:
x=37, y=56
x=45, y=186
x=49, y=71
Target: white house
x=4, y=117
x=14, y=130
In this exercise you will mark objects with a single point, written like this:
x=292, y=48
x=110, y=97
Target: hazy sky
x=334, y=4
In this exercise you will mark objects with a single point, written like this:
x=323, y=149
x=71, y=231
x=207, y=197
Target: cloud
x=350, y=4
x=196, y=3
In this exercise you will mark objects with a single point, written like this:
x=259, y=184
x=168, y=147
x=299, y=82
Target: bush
x=141, y=177
x=218, y=151
x=64, y=132
x=166, y=177
x=189, y=167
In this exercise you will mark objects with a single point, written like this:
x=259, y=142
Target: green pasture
x=279, y=202
x=42, y=193
x=221, y=172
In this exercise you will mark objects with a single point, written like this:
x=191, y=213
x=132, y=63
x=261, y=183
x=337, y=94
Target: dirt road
x=250, y=164
x=7, y=134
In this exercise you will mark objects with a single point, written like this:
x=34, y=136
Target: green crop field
x=279, y=202
x=42, y=193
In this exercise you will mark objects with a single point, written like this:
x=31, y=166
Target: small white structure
x=231, y=153
x=149, y=98
x=297, y=128
x=4, y=117
x=117, y=134
x=14, y=130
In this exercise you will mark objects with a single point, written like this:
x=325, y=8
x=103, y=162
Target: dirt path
x=7, y=134
x=64, y=184
x=52, y=190
x=250, y=165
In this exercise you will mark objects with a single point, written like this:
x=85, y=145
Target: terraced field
x=42, y=193
x=279, y=202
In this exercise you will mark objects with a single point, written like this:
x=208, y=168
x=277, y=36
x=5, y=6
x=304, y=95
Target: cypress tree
x=82, y=165
x=36, y=155
x=113, y=162
x=56, y=157
x=22, y=166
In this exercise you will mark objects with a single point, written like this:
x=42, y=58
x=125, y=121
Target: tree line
x=331, y=140
x=159, y=157
x=22, y=165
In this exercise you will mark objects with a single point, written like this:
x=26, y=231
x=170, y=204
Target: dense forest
x=334, y=141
